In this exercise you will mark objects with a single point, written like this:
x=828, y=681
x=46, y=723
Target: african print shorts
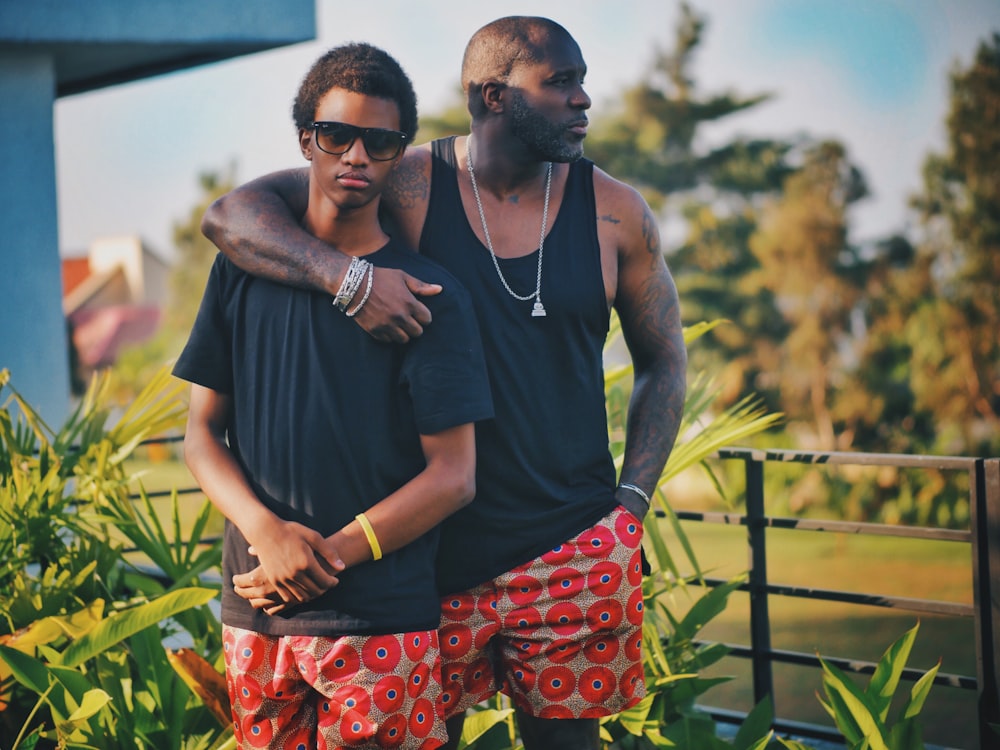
x=561, y=634
x=316, y=693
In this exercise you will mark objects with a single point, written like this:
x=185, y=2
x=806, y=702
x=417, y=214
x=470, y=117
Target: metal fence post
x=985, y=502
x=760, y=622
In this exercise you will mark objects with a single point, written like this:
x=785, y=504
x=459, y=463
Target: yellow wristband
x=366, y=527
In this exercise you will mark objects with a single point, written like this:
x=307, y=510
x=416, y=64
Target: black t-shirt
x=544, y=468
x=326, y=423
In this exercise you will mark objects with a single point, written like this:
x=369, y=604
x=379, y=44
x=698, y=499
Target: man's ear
x=306, y=143
x=493, y=95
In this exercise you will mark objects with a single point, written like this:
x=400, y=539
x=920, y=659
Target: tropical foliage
x=863, y=714
x=92, y=640
x=83, y=624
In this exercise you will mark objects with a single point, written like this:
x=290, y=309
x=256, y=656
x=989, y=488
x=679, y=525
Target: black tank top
x=544, y=469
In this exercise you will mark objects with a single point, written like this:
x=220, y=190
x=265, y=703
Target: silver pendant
x=538, y=311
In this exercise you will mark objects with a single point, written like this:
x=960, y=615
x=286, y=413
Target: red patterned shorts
x=315, y=693
x=561, y=634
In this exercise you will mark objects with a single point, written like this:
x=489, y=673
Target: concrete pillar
x=32, y=327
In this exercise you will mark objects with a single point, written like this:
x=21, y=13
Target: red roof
x=74, y=272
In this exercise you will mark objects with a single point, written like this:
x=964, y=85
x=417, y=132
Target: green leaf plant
x=862, y=715
x=83, y=661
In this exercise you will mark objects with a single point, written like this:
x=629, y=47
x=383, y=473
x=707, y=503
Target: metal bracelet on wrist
x=636, y=490
x=351, y=283
x=364, y=297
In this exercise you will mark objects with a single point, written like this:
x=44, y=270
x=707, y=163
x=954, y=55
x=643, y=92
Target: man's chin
x=571, y=156
x=568, y=153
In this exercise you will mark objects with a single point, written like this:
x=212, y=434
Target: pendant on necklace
x=538, y=311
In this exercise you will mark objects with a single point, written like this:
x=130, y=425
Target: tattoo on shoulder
x=651, y=232
x=610, y=218
x=651, y=236
x=408, y=186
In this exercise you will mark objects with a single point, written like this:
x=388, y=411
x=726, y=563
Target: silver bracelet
x=364, y=298
x=636, y=490
x=351, y=283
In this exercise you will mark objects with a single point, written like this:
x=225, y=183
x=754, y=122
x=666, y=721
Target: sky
x=870, y=73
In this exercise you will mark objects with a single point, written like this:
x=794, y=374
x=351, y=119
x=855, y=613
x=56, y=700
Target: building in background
x=113, y=298
x=51, y=49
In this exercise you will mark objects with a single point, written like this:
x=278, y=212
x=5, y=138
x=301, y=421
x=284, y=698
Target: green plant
x=862, y=715
x=672, y=656
x=82, y=631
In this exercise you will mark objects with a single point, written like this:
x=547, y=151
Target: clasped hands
x=297, y=564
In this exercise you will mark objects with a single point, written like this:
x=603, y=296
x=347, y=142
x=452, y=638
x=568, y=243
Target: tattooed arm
x=257, y=227
x=645, y=298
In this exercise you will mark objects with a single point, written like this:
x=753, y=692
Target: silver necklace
x=538, y=309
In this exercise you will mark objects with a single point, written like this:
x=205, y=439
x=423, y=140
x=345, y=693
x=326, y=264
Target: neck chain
x=538, y=310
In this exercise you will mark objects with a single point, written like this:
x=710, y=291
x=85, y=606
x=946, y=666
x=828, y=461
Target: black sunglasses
x=337, y=137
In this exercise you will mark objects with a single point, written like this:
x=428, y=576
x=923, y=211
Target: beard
x=542, y=136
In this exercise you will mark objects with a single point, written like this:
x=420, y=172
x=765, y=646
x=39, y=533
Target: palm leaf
x=204, y=681
x=890, y=668
x=853, y=711
x=118, y=627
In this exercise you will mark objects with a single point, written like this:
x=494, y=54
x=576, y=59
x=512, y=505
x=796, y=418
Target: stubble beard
x=546, y=139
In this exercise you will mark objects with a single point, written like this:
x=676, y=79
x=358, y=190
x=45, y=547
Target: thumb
x=327, y=550
x=417, y=286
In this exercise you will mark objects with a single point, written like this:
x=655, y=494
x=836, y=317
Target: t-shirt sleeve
x=444, y=368
x=207, y=357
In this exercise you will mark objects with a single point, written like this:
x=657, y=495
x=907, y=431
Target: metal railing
x=983, y=538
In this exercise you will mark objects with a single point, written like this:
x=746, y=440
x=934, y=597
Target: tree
x=931, y=360
x=652, y=141
x=454, y=120
x=195, y=254
x=806, y=230
x=955, y=330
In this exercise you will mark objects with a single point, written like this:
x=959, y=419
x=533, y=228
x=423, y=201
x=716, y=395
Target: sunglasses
x=337, y=138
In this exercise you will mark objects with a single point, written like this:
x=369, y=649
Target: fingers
x=270, y=607
x=328, y=557
x=422, y=288
x=255, y=577
x=255, y=586
x=266, y=595
x=393, y=314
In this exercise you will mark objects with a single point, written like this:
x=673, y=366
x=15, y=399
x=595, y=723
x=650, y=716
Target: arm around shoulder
x=256, y=226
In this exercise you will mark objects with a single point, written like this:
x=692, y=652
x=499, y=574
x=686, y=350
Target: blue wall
x=32, y=331
x=48, y=47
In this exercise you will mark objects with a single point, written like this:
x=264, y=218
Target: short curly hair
x=363, y=69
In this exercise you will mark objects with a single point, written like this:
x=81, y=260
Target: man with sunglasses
x=333, y=479
x=541, y=575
